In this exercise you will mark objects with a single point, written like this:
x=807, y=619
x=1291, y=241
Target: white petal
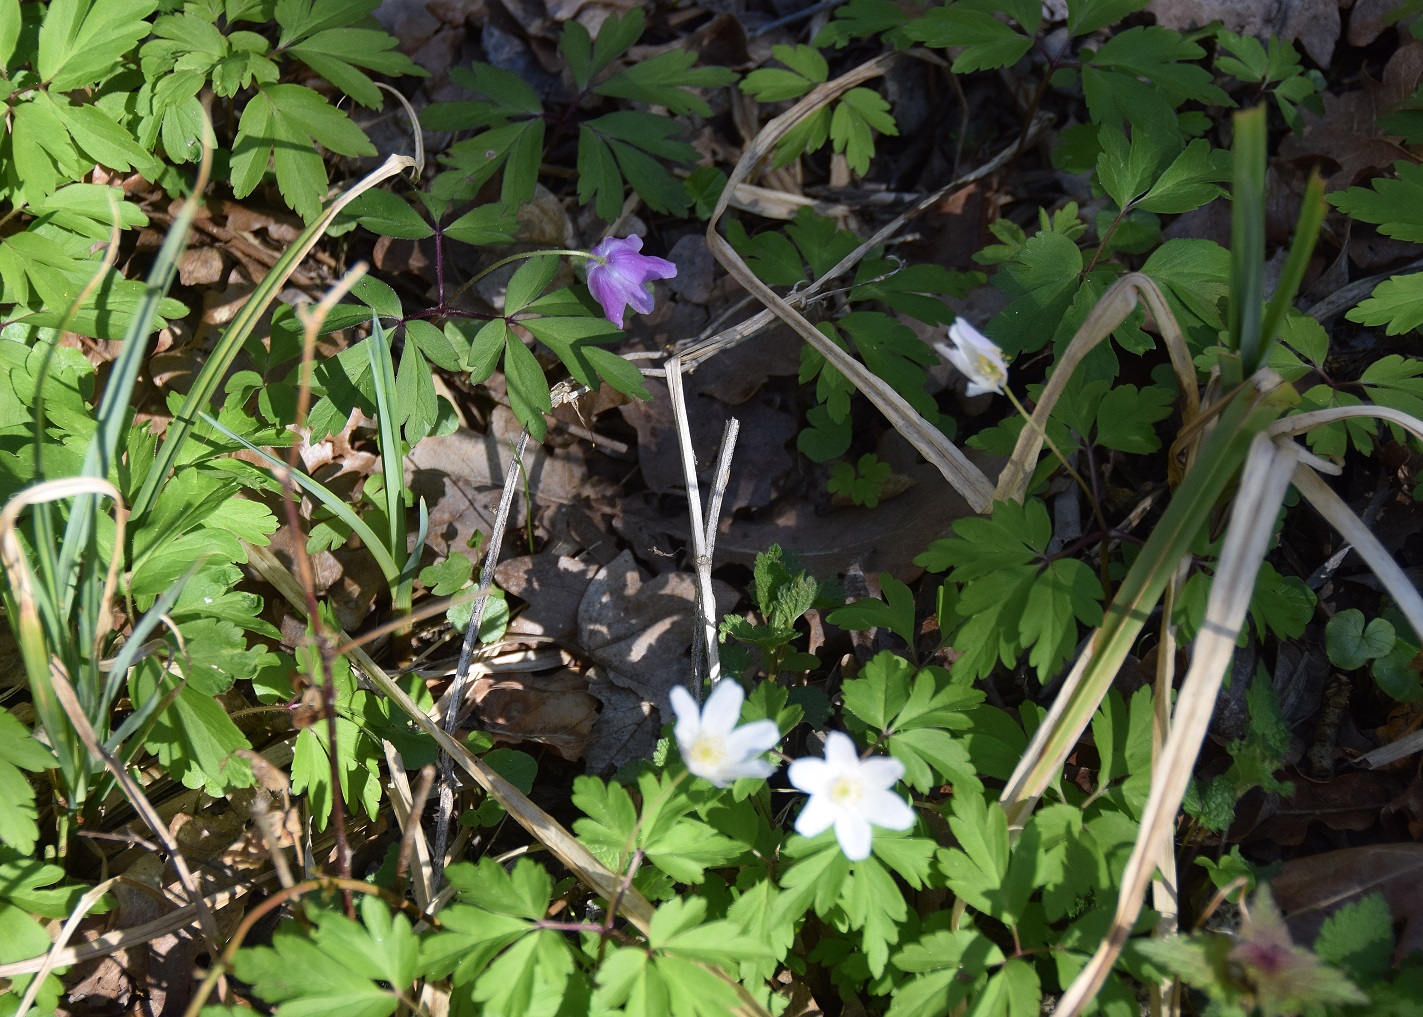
x=723, y=707
x=809, y=774
x=816, y=817
x=886, y=809
x=854, y=836
x=881, y=771
x=689, y=720
x=752, y=739
x=751, y=768
x=712, y=773
x=840, y=752
x=962, y=334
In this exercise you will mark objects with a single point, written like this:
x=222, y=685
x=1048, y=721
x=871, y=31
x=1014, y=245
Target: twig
x=412, y=835
x=471, y=638
x=704, y=648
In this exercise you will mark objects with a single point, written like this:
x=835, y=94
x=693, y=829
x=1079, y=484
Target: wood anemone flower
x=977, y=358
x=851, y=794
x=620, y=277
x=712, y=744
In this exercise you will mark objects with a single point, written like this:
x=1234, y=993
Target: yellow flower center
x=989, y=368
x=845, y=791
x=708, y=750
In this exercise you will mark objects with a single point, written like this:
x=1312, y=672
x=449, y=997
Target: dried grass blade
x=1266, y=477
x=543, y=827
x=965, y=477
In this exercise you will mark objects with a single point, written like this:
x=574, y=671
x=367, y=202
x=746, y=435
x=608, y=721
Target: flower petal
x=840, y=752
x=751, y=768
x=886, y=809
x=816, y=817
x=752, y=739
x=809, y=774
x=689, y=720
x=722, y=711
x=854, y=836
x=881, y=771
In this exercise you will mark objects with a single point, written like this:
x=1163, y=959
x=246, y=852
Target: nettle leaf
x=666, y=80
x=1395, y=206
x=282, y=125
x=988, y=43
x=82, y=42
x=807, y=69
x=1396, y=303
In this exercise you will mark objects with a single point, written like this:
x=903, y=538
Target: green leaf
x=877, y=697
x=282, y=124
x=388, y=215
x=1084, y=16
x=337, y=53
x=1165, y=58
x=1350, y=645
x=1189, y=182
x=895, y=612
x=82, y=42
x=1127, y=169
x=665, y=80
x=194, y=739
x=1358, y=939
x=19, y=750
x=1041, y=281
x=317, y=976
x=1396, y=206
x=419, y=406
x=529, y=281
x=599, y=180
x=988, y=43
x=486, y=226
x=10, y=24
x=860, y=112
x=977, y=869
x=1396, y=303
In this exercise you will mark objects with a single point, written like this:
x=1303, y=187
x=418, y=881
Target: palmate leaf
x=1395, y=206
x=987, y=43
x=281, y=126
x=339, y=54
x=333, y=970
x=82, y=42
x=1396, y=303
x=666, y=80
x=19, y=750
x=857, y=115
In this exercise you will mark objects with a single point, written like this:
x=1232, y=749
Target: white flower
x=851, y=793
x=977, y=358
x=712, y=745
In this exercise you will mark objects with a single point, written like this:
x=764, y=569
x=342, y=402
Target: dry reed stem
x=963, y=475
x=1263, y=484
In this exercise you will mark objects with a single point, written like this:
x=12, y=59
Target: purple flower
x=619, y=277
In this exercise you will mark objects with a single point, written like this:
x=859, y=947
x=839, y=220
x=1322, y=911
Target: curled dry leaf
x=553, y=587
x=553, y=709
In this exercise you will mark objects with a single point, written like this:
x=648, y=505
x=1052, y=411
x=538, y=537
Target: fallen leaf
x=1309, y=889
x=554, y=709
x=552, y=586
x=1315, y=23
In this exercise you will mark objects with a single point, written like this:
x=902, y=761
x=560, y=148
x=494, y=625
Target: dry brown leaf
x=553, y=587
x=1315, y=23
x=554, y=709
x=1309, y=889
x=1350, y=801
